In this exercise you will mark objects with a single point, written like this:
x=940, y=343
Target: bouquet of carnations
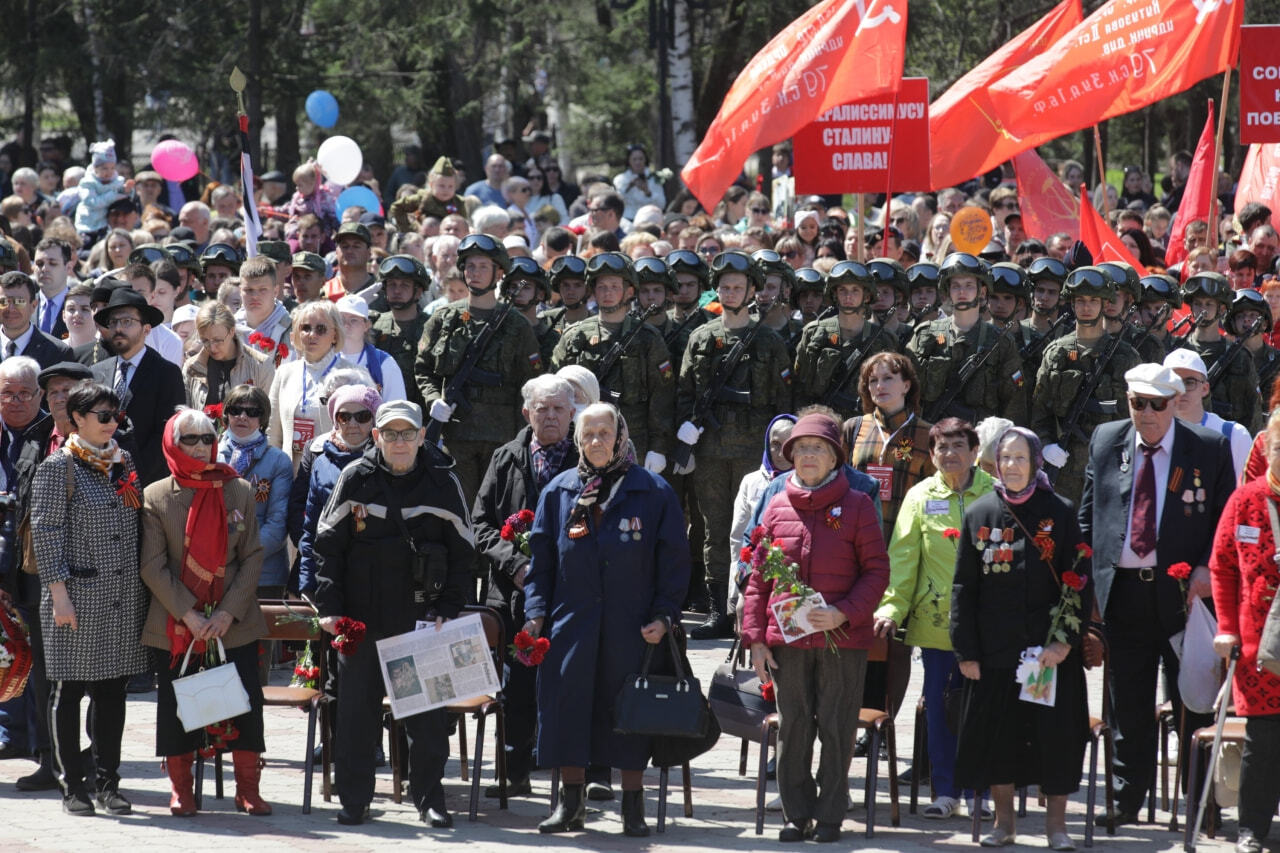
x=771, y=562
x=516, y=529
x=528, y=649
x=305, y=672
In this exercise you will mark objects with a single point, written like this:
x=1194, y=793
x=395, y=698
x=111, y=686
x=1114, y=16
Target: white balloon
x=340, y=159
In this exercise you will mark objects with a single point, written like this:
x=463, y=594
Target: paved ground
x=723, y=806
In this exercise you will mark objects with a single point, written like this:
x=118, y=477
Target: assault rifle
x=958, y=382
x=455, y=393
x=715, y=391
x=606, y=364
x=1034, y=349
x=1070, y=426
x=852, y=363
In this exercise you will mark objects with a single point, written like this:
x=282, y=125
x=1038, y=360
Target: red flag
x=1260, y=176
x=1202, y=186
x=1047, y=206
x=1126, y=55
x=964, y=111
x=1102, y=242
x=838, y=51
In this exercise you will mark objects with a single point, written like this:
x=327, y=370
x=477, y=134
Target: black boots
x=571, y=812
x=633, y=814
x=719, y=624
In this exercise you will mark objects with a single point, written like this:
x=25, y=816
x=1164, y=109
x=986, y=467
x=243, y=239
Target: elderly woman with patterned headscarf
x=609, y=570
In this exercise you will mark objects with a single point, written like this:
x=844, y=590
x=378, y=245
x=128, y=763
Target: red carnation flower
x=542, y=645
x=951, y=533
x=524, y=640
x=757, y=535
x=526, y=516
x=1084, y=551
x=1074, y=580
x=744, y=556
x=766, y=691
x=1179, y=571
x=508, y=533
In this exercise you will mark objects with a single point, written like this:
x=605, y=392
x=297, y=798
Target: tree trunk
x=680, y=81
x=93, y=44
x=287, y=152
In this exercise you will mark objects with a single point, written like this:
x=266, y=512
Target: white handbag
x=209, y=696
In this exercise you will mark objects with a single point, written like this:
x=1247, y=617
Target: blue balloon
x=359, y=197
x=322, y=108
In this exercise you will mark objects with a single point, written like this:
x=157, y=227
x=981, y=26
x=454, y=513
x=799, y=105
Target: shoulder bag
x=735, y=696
x=211, y=695
x=670, y=705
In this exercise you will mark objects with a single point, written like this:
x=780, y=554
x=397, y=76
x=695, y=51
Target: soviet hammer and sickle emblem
x=869, y=22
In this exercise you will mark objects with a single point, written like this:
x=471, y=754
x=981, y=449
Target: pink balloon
x=174, y=161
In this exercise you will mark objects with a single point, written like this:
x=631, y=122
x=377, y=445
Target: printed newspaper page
x=426, y=668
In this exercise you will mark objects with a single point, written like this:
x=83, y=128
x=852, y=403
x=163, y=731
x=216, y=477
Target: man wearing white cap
x=356, y=349
x=1190, y=406
x=1153, y=492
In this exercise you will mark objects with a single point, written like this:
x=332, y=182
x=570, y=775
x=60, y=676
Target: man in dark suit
x=52, y=262
x=1153, y=492
x=149, y=387
x=18, y=335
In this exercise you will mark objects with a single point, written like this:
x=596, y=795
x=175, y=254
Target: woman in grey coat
x=84, y=523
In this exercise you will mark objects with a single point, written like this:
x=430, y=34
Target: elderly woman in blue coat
x=609, y=570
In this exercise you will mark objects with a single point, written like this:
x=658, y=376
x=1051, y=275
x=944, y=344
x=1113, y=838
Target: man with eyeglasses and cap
x=509, y=359
x=640, y=380
x=771, y=299
x=825, y=372
x=397, y=330
x=1065, y=367
x=525, y=285
x=1154, y=490
x=1234, y=391
x=727, y=441
x=942, y=348
x=569, y=281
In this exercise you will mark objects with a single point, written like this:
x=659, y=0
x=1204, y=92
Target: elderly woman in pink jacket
x=831, y=535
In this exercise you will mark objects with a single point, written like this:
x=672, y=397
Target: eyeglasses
x=391, y=436
x=884, y=272
x=596, y=209
x=898, y=219
x=731, y=262
x=15, y=301
x=708, y=251
x=963, y=263
x=760, y=211
x=523, y=190
x=789, y=256
x=205, y=438
x=555, y=169
x=16, y=397
x=104, y=416
x=1047, y=268
x=215, y=342
x=361, y=417
x=1157, y=404
x=1189, y=382
x=922, y=274
x=318, y=328
x=242, y=411
x=123, y=322
x=568, y=266
x=483, y=242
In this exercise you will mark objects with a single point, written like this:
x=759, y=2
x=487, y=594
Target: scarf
x=547, y=459
x=605, y=478
x=100, y=459
x=242, y=450
x=1039, y=479
x=825, y=480
x=766, y=461
x=204, y=557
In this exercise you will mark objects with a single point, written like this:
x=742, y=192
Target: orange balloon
x=971, y=230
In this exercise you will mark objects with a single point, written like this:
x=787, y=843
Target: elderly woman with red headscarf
x=201, y=558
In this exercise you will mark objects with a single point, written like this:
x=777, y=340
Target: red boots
x=248, y=767
x=182, y=802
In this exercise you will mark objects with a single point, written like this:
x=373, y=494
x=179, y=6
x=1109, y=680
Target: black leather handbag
x=661, y=705
x=735, y=696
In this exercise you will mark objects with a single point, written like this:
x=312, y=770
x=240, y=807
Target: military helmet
x=654, y=271
x=8, y=257
x=567, y=267
x=773, y=264
x=1124, y=277
x=1161, y=287
x=735, y=261
x=404, y=266
x=1047, y=269
x=685, y=261
x=1247, y=300
x=484, y=246
x=185, y=257
x=524, y=269
x=1088, y=281
x=148, y=254
x=1213, y=284
x=610, y=263
x=890, y=272
x=851, y=272
x=1008, y=277
x=961, y=263
x=221, y=254
x=922, y=274
x=807, y=278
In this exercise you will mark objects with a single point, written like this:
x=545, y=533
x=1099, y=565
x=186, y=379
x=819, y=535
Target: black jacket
x=47, y=350
x=156, y=390
x=367, y=568
x=35, y=440
x=507, y=488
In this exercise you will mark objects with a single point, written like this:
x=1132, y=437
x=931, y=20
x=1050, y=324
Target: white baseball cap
x=1186, y=359
x=1154, y=380
x=353, y=305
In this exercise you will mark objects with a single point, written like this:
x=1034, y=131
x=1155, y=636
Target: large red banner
x=1101, y=241
x=964, y=111
x=1202, y=186
x=1126, y=55
x=838, y=51
x=1260, y=177
x=1047, y=206
x=860, y=147
x=1259, y=84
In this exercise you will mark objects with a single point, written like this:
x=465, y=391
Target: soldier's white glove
x=655, y=462
x=688, y=433
x=1055, y=455
x=441, y=411
x=686, y=469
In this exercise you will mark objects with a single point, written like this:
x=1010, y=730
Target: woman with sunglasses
x=201, y=559
x=222, y=362
x=542, y=196
x=246, y=412
x=297, y=415
x=91, y=607
x=351, y=409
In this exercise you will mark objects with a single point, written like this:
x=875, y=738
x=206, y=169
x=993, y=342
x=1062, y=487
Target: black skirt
x=170, y=737
x=1004, y=740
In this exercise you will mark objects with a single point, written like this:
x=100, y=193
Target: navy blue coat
x=596, y=593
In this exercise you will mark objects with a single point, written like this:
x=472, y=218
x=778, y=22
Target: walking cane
x=1224, y=699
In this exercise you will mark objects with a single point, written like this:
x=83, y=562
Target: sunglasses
x=761, y=211
x=246, y=411
x=205, y=438
x=1047, y=267
x=848, y=272
x=1157, y=404
x=555, y=169
x=965, y=262
x=318, y=328
x=683, y=257
x=708, y=251
x=767, y=256
x=104, y=416
x=790, y=256
x=361, y=417
x=1007, y=277
x=534, y=176
x=1089, y=277
x=882, y=272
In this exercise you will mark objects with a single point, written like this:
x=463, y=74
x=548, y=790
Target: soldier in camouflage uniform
x=510, y=360
x=771, y=300
x=1007, y=300
x=569, y=279
x=922, y=285
x=398, y=330
x=892, y=292
x=655, y=287
x=1161, y=296
x=1046, y=275
x=1068, y=362
x=1128, y=293
x=728, y=438
x=943, y=346
x=808, y=294
x=1234, y=394
x=526, y=285
x=641, y=383
x=823, y=373
x=1248, y=308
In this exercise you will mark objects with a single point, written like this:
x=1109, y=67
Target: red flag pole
x=888, y=173
x=1102, y=171
x=1217, y=154
x=862, y=230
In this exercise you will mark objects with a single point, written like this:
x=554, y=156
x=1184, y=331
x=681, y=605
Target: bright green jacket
x=922, y=561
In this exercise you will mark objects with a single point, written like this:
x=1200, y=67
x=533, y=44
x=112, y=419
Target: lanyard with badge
x=304, y=428
x=883, y=474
